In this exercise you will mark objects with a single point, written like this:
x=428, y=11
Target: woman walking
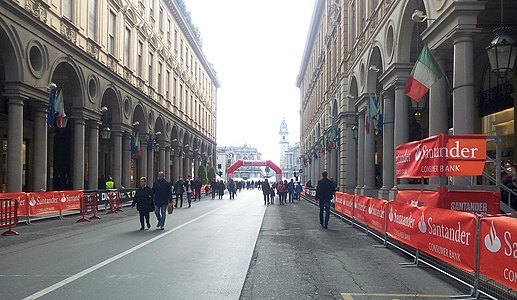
x=144, y=202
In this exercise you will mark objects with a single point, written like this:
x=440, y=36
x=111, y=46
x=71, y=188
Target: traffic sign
x=300, y=171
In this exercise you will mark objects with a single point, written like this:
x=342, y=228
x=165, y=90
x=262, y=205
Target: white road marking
x=110, y=260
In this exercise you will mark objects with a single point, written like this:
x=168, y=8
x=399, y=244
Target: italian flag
x=424, y=74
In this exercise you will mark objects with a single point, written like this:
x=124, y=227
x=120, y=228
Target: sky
x=256, y=48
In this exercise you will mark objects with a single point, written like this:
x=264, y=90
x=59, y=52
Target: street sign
x=300, y=171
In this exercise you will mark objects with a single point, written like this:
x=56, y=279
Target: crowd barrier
x=89, y=206
x=115, y=205
x=55, y=204
x=483, y=246
x=8, y=215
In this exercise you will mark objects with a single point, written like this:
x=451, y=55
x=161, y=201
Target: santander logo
x=63, y=198
x=418, y=153
x=492, y=242
x=32, y=202
x=421, y=224
x=390, y=215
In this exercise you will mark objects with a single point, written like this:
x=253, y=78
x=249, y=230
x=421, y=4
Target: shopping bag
x=170, y=208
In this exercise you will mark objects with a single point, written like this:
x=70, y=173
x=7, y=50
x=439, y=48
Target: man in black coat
x=324, y=193
x=162, y=191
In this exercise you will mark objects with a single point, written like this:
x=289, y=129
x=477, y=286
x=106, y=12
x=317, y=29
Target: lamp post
x=105, y=131
x=502, y=50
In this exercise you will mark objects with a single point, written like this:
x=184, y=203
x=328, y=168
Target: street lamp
x=502, y=50
x=105, y=131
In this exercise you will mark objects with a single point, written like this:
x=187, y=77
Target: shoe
x=176, y=206
x=161, y=228
x=141, y=228
x=181, y=205
x=158, y=225
x=189, y=206
x=148, y=225
x=325, y=226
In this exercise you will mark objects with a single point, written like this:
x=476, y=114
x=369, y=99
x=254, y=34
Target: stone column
x=463, y=106
x=168, y=174
x=117, y=158
x=14, y=144
x=93, y=155
x=126, y=160
x=360, y=154
x=388, y=153
x=176, y=166
x=40, y=146
x=150, y=165
x=187, y=165
x=401, y=134
x=181, y=165
x=369, y=160
x=350, y=145
x=143, y=159
x=79, y=142
x=438, y=111
x=161, y=160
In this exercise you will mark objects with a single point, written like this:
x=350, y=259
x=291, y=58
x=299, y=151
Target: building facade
x=362, y=50
x=289, y=154
x=138, y=93
x=227, y=156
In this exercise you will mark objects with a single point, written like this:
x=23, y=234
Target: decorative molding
x=128, y=75
x=68, y=30
x=38, y=9
x=92, y=49
x=112, y=63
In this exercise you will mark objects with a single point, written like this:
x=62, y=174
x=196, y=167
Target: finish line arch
x=255, y=163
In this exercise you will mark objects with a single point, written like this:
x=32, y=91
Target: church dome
x=283, y=125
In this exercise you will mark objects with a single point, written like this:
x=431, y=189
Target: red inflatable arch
x=239, y=163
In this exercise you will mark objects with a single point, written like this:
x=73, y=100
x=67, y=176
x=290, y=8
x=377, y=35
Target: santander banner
x=51, y=202
x=22, y=201
x=253, y=162
x=360, y=208
x=376, y=216
x=498, y=250
x=338, y=203
x=419, y=198
x=441, y=155
x=402, y=224
x=348, y=205
x=448, y=235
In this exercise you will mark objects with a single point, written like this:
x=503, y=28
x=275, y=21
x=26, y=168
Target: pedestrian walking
x=266, y=191
x=298, y=190
x=178, y=190
x=290, y=190
x=324, y=194
x=143, y=200
x=162, y=192
x=196, y=186
x=188, y=190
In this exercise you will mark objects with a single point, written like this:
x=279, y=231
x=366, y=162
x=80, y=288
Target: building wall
x=171, y=90
x=362, y=49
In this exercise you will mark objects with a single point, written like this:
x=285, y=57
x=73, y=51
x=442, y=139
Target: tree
x=202, y=174
x=211, y=174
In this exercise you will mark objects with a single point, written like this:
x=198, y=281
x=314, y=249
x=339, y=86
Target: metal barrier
x=8, y=215
x=89, y=202
x=115, y=205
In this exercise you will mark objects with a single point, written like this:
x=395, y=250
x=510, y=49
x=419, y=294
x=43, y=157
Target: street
x=218, y=249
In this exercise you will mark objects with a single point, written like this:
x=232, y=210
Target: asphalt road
x=218, y=249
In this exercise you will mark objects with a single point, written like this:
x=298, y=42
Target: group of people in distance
x=147, y=199
x=287, y=191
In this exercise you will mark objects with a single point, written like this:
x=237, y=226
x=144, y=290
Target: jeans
x=324, y=204
x=161, y=213
x=181, y=197
x=189, y=198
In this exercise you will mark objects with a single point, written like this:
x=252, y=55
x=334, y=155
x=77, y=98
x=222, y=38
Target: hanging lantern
x=502, y=52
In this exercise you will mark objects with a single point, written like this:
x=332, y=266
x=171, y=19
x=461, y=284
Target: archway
x=255, y=163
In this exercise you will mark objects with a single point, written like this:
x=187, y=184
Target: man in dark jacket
x=324, y=193
x=162, y=191
x=178, y=191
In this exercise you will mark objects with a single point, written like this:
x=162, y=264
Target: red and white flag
x=424, y=74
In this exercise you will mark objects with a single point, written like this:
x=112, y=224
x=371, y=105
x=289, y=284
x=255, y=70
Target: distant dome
x=283, y=125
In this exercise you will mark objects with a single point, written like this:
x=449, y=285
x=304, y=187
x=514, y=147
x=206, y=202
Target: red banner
x=348, y=205
x=22, y=201
x=402, y=223
x=448, y=235
x=440, y=155
x=498, y=250
x=376, y=216
x=419, y=198
x=477, y=202
x=44, y=202
x=70, y=200
x=361, y=208
x=338, y=203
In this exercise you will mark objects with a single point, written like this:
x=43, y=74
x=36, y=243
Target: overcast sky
x=256, y=48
